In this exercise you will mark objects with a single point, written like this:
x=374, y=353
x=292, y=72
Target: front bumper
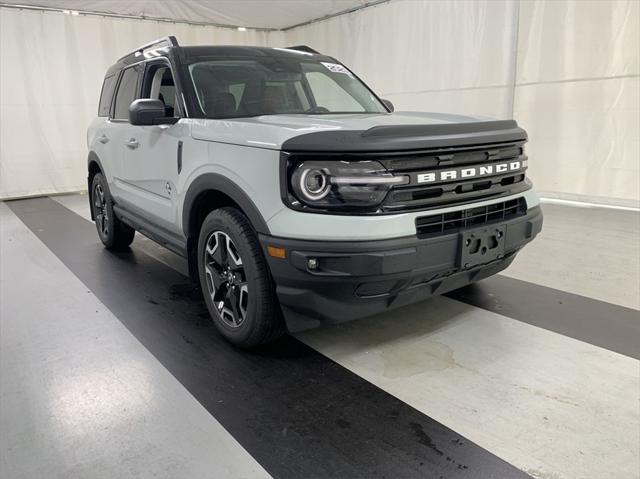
x=359, y=279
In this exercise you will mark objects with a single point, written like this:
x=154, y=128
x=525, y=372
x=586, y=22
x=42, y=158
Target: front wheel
x=235, y=280
x=113, y=233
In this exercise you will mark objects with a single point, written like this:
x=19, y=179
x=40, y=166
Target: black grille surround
x=414, y=196
x=460, y=190
x=460, y=220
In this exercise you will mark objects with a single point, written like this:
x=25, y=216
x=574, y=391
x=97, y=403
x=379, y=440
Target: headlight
x=340, y=185
x=313, y=183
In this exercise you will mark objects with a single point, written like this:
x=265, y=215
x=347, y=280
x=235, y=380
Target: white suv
x=295, y=193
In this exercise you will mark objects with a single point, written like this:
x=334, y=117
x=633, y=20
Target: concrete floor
x=84, y=393
x=594, y=252
x=80, y=395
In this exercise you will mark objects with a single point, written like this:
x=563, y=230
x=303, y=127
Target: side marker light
x=276, y=252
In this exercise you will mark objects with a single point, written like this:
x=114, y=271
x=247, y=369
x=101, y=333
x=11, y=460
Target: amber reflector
x=276, y=252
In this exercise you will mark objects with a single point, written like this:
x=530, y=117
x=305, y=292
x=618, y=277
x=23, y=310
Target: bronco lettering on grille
x=470, y=172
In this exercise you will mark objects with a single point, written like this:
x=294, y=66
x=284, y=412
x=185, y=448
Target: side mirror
x=388, y=104
x=149, y=112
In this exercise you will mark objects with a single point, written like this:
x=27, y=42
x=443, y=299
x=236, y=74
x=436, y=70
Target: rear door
x=119, y=132
x=99, y=133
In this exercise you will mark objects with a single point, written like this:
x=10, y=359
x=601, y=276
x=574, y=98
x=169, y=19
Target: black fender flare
x=92, y=158
x=217, y=182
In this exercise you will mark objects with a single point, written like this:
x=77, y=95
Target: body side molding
x=151, y=230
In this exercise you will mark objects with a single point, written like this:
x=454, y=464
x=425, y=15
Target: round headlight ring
x=314, y=184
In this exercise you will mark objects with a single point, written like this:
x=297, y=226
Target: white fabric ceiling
x=276, y=14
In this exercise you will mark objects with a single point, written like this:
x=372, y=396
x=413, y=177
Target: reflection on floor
x=545, y=402
x=526, y=394
x=80, y=396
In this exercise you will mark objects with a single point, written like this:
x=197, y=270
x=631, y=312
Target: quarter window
x=107, y=95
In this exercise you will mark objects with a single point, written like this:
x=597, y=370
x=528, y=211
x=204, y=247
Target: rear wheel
x=235, y=280
x=113, y=233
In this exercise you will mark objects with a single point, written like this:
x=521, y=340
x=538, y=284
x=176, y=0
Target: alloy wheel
x=100, y=210
x=226, y=279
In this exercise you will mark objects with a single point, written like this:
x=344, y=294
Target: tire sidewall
x=218, y=220
x=108, y=240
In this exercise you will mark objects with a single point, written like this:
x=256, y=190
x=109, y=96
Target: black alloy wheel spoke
x=215, y=276
x=234, y=299
x=236, y=268
x=220, y=255
x=100, y=210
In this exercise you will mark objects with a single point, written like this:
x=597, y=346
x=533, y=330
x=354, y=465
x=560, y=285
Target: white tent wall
x=438, y=55
x=578, y=95
x=51, y=71
x=568, y=71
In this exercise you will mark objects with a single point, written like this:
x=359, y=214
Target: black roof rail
x=169, y=41
x=303, y=48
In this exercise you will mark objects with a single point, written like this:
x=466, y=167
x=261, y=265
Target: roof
x=241, y=51
x=169, y=44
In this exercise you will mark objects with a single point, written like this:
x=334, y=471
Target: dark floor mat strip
x=296, y=412
x=602, y=324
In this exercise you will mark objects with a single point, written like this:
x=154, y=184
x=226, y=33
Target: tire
x=235, y=280
x=113, y=233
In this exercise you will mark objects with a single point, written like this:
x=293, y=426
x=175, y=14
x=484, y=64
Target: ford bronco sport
x=297, y=195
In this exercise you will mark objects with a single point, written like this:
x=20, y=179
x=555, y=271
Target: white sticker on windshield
x=337, y=68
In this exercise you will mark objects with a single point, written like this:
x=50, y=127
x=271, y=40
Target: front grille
x=455, y=221
x=457, y=191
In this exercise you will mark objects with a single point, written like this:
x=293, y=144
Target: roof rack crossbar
x=303, y=48
x=169, y=41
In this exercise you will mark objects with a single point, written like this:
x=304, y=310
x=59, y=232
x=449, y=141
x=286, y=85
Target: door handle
x=132, y=144
x=103, y=139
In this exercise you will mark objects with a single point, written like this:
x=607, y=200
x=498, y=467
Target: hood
x=340, y=132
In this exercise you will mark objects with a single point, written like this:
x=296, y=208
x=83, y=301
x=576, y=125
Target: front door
x=150, y=161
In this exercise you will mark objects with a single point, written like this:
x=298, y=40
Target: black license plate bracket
x=481, y=245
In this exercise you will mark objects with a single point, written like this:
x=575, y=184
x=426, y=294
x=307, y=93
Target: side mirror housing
x=388, y=104
x=144, y=112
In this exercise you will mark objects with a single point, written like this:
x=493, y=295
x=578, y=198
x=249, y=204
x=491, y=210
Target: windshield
x=252, y=86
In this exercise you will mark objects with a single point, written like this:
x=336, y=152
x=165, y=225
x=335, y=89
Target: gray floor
x=81, y=397
x=593, y=252
x=526, y=394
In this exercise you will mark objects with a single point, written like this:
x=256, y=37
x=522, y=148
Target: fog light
x=312, y=263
